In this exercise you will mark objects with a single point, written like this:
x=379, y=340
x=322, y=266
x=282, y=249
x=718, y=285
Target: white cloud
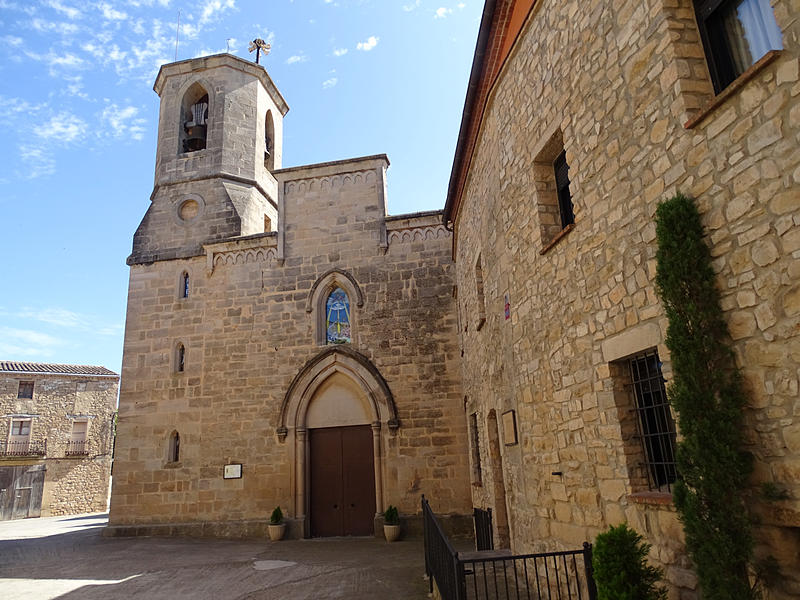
x=38, y=163
x=339, y=51
x=410, y=7
x=123, y=121
x=329, y=83
x=12, y=40
x=110, y=13
x=24, y=343
x=63, y=317
x=461, y=5
x=63, y=127
x=371, y=42
x=296, y=58
x=212, y=7
x=442, y=12
x=63, y=27
x=71, y=12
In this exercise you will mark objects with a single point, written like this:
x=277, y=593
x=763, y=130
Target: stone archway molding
x=328, y=280
x=331, y=360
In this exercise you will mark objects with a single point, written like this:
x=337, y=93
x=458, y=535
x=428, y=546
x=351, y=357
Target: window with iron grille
x=562, y=187
x=655, y=426
x=736, y=34
x=25, y=390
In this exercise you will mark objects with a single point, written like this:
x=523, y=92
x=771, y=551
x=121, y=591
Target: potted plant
x=276, y=525
x=391, y=524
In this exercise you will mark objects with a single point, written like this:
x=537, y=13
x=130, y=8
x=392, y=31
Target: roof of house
x=7, y=366
x=501, y=24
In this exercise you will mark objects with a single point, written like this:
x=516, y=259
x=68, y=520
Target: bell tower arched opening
x=194, y=119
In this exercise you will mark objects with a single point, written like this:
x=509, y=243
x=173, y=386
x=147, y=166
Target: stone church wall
x=248, y=328
x=618, y=82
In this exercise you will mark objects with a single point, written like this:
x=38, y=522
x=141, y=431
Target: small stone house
x=56, y=438
x=580, y=118
x=287, y=342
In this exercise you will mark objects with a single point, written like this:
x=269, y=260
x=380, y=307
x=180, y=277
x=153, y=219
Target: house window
x=337, y=320
x=174, y=451
x=655, y=426
x=475, y=450
x=25, y=390
x=185, y=285
x=77, y=443
x=735, y=33
x=561, y=169
x=20, y=437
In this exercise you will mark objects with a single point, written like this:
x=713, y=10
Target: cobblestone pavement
x=66, y=558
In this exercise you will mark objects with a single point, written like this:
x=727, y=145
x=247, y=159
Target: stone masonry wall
x=620, y=80
x=74, y=484
x=247, y=334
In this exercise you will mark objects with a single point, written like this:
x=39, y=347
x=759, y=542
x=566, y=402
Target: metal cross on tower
x=258, y=45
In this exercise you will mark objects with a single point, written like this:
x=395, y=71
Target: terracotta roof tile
x=7, y=366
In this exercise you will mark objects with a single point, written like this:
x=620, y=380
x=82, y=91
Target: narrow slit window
x=174, y=447
x=475, y=450
x=337, y=320
x=180, y=358
x=481, y=308
x=185, y=285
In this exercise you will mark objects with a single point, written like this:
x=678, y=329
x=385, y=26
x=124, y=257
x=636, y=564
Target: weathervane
x=258, y=45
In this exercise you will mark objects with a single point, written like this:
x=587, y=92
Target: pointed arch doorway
x=334, y=418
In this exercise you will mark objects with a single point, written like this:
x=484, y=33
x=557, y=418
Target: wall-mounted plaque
x=509, y=428
x=232, y=472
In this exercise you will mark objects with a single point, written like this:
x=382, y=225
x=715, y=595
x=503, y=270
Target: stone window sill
x=561, y=235
x=173, y=465
x=732, y=89
x=652, y=498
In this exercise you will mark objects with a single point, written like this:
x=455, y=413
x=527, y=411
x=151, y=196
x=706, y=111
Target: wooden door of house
x=342, y=481
x=21, y=490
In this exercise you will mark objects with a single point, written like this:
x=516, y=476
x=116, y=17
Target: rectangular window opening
x=25, y=390
x=655, y=425
x=475, y=450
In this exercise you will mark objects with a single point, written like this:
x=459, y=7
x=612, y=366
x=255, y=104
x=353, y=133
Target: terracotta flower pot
x=392, y=532
x=276, y=531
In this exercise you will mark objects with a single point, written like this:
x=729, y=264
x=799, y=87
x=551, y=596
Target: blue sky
x=79, y=127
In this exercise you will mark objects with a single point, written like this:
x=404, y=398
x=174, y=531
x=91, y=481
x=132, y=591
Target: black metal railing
x=484, y=534
x=495, y=575
x=77, y=448
x=563, y=575
x=441, y=560
x=24, y=448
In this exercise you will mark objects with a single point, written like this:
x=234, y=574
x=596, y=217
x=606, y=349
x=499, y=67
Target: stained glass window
x=337, y=310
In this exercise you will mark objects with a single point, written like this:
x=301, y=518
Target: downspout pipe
x=469, y=107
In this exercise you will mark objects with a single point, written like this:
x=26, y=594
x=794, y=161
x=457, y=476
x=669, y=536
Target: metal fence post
x=587, y=565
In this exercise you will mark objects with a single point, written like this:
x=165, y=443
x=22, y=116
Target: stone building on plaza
x=287, y=343
x=56, y=428
x=580, y=118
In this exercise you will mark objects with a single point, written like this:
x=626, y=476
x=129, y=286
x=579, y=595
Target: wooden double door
x=342, y=481
x=21, y=491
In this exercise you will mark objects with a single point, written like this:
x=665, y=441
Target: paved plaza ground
x=67, y=558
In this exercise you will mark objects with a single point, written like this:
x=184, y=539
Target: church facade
x=580, y=119
x=287, y=343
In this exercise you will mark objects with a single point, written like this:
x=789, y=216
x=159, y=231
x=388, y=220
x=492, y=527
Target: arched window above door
x=337, y=317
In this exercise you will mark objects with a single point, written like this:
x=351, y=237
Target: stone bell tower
x=220, y=133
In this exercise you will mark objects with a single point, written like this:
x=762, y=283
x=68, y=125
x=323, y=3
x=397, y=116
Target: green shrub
x=390, y=516
x=707, y=396
x=620, y=566
x=276, y=518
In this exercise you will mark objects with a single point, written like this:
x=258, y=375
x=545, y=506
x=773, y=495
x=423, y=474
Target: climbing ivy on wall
x=708, y=398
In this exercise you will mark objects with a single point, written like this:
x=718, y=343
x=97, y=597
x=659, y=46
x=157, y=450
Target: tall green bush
x=621, y=572
x=707, y=396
